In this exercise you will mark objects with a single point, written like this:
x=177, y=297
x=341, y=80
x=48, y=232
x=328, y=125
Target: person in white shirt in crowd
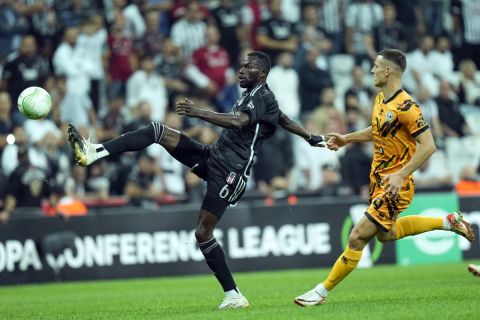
x=442, y=59
x=430, y=112
x=146, y=85
x=135, y=24
x=469, y=83
x=92, y=42
x=309, y=163
x=434, y=172
x=361, y=19
x=69, y=60
x=283, y=81
x=189, y=32
x=420, y=68
x=172, y=171
x=74, y=108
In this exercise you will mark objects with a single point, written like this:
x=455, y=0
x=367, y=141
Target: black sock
x=215, y=258
x=136, y=140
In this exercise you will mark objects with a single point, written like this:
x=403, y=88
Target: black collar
x=393, y=97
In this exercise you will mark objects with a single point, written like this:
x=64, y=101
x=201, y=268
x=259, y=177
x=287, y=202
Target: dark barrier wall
x=162, y=243
x=470, y=206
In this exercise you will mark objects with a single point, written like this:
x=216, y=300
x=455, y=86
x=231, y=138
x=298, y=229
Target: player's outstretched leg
x=87, y=152
x=474, y=269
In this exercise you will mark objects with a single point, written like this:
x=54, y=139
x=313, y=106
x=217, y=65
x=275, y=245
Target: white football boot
x=310, y=298
x=474, y=269
x=235, y=301
x=85, y=151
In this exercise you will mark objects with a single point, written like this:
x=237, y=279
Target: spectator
x=143, y=186
x=189, y=32
x=273, y=177
x=453, y=122
x=24, y=69
x=92, y=42
x=28, y=186
x=433, y=173
x=151, y=43
x=312, y=81
x=311, y=38
x=442, y=59
x=74, y=13
x=210, y=67
x=12, y=25
x=10, y=152
x=276, y=34
x=146, y=85
x=134, y=27
x=253, y=12
x=310, y=161
x=171, y=170
x=326, y=116
x=355, y=165
x=430, y=112
x=77, y=186
x=434, y=16
x=121, y=58
x=75, y=108
x=362, y=91
x=283, y=81
x=310, y=19
x=69, y=60
x=361, y=19
x=391, y=33
x=466, y=17
x=410, y=15
x=331, y=21
x=420, y=68
x=170, y=65
x=7, y=123
x=228, y=21
x=469, y=83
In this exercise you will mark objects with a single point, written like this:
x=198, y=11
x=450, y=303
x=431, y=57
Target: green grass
x=445, y=291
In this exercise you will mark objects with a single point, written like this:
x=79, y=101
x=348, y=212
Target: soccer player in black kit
x=225, y=164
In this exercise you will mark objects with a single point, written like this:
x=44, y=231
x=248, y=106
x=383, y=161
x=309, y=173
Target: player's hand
x=317, y=141
x=186, y=107
x=336, y=141
x=393, y=184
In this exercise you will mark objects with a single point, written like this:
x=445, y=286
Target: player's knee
x=385, y=237
x=355, y=241
x=202, y=234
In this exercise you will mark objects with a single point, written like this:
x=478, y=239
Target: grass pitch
x=445, y=291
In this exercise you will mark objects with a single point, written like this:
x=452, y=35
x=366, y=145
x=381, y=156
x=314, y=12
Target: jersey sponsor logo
x=421, y=122
x=231, y=177
x=389, y=116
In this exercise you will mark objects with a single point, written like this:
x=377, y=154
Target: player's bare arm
x=226, y=120
x=336, y=140
x=425, y=148
x=293, y=127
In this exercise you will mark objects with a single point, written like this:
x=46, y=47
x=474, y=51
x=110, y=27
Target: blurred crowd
x=112, y=66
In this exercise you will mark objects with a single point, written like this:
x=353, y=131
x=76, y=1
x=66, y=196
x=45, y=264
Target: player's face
x=379, y=72
x=249, y=73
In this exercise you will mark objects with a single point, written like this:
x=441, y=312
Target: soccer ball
x=34, y=103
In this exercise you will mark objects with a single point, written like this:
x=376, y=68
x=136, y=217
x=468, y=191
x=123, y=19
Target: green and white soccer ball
x=34, y=103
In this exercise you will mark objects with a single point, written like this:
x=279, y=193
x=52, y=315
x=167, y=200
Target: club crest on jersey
x=389, y=116
x=231, y=177
x=250, y=105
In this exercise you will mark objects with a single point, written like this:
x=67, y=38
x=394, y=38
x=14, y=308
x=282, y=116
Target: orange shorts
x=384, y=211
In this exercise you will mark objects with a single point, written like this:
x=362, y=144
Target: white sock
x=321, y=290
x=446, y=224
x=100, y=151
x=232, y=293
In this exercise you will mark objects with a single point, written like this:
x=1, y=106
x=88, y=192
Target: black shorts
x=224, y=187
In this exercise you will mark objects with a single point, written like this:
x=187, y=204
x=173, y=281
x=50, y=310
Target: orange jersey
x=395, y=124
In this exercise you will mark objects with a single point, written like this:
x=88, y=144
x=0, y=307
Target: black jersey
x=235, y=149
